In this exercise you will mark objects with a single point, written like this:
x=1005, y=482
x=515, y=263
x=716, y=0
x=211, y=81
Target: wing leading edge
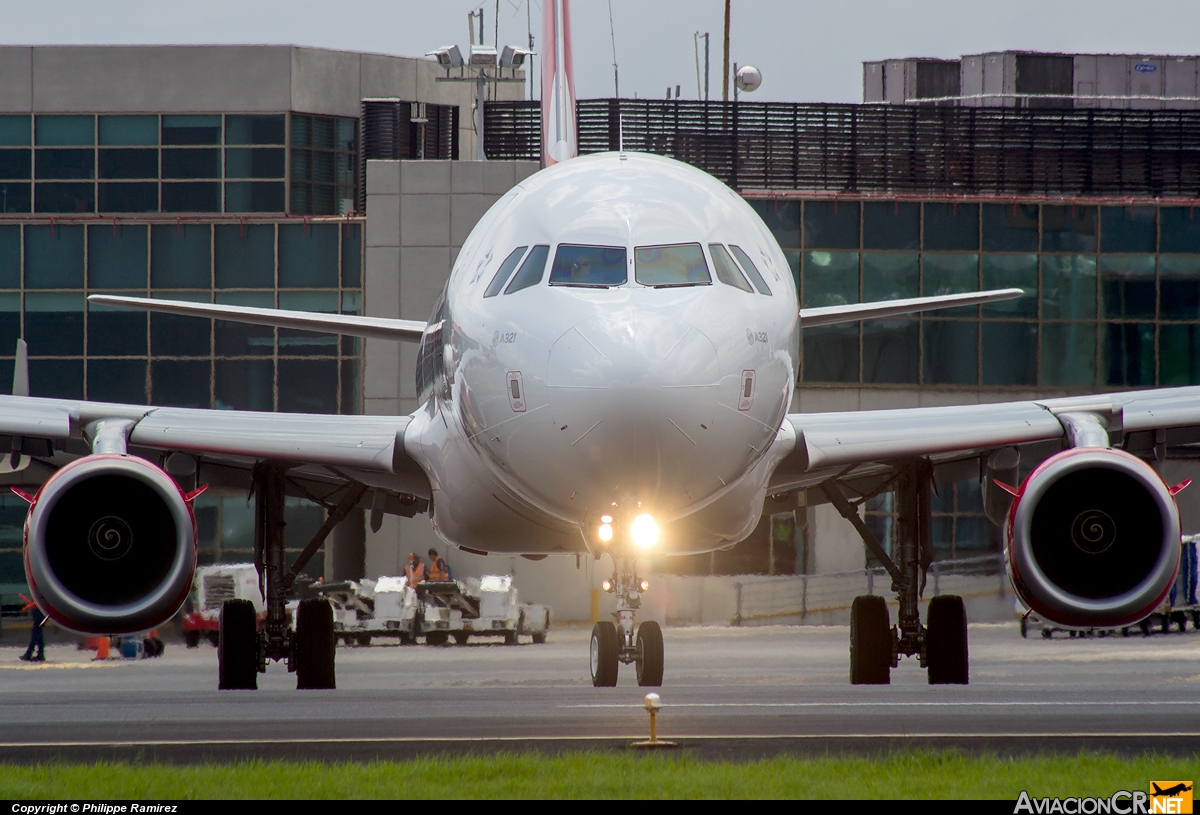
x=853, y=312
x=365, y=448
x=351, y=324
x=825, y=441
x=412, y=330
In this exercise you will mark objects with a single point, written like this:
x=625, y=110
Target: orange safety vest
x=438, y=570
x=415, y=576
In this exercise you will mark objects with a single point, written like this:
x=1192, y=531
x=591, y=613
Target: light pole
x=481, y=58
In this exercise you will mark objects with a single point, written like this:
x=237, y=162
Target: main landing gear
x=875, y=645
x=619, y=643
x=243, y=647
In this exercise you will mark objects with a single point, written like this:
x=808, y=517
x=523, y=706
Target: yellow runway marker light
x=653, y=705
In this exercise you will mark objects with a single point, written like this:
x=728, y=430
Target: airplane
x=1169, y=792
x=607, y=371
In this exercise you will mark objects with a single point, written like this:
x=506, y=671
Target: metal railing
x=779, y=599
x=887, y=149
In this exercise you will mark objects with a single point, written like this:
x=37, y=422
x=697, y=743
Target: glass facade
x=178, y=163
x=82, y=351
x=94, y=352
x=225, y=528
x=960, y=527
x=1112, y=292
x=324, y=165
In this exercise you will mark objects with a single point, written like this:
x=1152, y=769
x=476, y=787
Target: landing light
x=644, y=585
x=606, y=585
x=605, y=519
x=605, y=532
x=644, y=531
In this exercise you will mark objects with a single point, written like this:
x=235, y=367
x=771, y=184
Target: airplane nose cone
x=633, y=351
x=637, y=396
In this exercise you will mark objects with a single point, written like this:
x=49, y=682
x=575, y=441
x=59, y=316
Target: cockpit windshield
x=680, y=264
x=751, y=270
x=594, y=266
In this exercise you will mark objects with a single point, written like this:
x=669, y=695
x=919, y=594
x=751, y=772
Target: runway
x=728, y=692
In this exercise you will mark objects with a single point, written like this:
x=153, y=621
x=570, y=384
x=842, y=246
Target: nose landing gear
x=622, y=642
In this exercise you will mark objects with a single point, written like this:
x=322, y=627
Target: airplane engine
x=110, y=545
x=1092, y=539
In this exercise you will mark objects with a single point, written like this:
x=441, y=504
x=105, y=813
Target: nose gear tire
x=649, y=654
x=870, y=641
x=946, y=641
x=237, y=647
x=604, y=655
x=314, y=645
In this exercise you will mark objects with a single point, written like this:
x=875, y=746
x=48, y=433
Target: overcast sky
x=807, y=51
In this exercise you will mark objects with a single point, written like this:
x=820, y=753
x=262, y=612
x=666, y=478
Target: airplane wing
x=853, y=312
x=352, y=324
x=842, y=443
x=412, y=330
x=322, y=448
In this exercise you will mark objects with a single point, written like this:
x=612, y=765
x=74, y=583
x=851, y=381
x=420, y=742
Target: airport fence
x=886, y=149
x=793, y=598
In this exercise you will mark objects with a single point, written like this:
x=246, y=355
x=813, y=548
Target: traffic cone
x=101, y=646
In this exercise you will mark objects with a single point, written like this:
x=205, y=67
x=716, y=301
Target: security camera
x=448, y=56
x=513, y=57
x=483, y=57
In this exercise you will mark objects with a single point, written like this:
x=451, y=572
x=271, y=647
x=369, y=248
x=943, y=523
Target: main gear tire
x=946, y=654
x=314, y=646
x=237, y=647
x=870, y=641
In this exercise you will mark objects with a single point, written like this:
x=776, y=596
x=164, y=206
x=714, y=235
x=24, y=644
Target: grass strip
x=902, y=775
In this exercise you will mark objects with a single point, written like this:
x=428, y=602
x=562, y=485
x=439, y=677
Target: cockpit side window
x=751, y=270
x=680, y=264
x=504, y=271
x=590, y=266
x=727, y=271
x=530, y=273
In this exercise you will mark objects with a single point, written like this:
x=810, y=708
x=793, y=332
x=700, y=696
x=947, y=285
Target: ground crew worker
x=415, y=570
x=438, y=570
x=36, y=637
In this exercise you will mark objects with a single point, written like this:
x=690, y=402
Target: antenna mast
x=725, y=68
x=613, y=35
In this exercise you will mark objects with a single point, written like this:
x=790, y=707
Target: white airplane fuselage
x=548, y=407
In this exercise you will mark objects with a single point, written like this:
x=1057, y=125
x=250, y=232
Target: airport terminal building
x=162, y=172
x=227, y=174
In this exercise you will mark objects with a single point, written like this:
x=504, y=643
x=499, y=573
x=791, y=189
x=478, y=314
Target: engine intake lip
x=92, y=615
x=1050, y=599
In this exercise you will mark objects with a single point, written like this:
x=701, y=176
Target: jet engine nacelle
x=110, y=545
x=1092, y=539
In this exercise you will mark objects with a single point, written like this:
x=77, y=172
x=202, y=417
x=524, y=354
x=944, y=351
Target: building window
x=1112, y=293
x=959, y=526
x=174, y=163
x=324, y=161
x=102, y=353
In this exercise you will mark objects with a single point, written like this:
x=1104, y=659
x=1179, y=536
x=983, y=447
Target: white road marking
x=517, y=739
x=1088, y=703
x=44, y=666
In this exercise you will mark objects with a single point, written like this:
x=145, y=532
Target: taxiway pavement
x=728, y=692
